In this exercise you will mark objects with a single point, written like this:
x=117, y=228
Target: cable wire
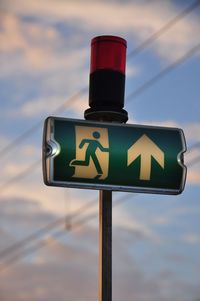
x=12, y=145
x=26, y=252
x=163, y=29
x=133, y=94
x=195, y=145
x=152, y=81
x=130, y=97
x=34, y=236
x=193, y=161
x=6, y=252
x=15, y=143
x=23, y=174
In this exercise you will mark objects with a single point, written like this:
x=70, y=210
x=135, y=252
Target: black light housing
x=107, y=79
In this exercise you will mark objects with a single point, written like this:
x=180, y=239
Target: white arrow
x=147, y=149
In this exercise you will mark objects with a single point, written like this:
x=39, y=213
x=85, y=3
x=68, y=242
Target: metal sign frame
x=51, y=149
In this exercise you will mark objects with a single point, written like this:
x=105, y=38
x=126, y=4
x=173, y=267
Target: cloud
x=26, y=155
x=24, y=214
x=15, y=35
x=7, y=239
x=137, y=20
x=161, y=220
x=60, y=267
x=38, y=107
x=38, y=61
x=73, y=259
x=191, y=129
x=132, y=70
x=29, y=150
x=59, y=276
x=37, y=52
x=193, y=176
x=191, y=238
x=45, y=45
x=31, y=42
x=132, y=226
x=47, y=42
x=4, y=140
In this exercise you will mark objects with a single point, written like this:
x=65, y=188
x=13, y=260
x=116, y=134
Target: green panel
x=130, y=157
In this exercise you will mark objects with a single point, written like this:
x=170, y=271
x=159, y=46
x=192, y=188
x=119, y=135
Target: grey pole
x=106, y=101
x=105, y=245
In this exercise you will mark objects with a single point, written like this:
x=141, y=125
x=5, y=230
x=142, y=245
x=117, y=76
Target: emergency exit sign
x=124, y=157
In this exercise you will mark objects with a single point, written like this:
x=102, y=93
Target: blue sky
x=45, y=56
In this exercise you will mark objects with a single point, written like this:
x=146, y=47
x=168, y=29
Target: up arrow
x=145, y=148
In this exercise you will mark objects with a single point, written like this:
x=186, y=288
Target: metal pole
x=105, y=245
x=106, y=101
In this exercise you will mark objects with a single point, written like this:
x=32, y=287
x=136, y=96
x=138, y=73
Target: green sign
x=94, y=155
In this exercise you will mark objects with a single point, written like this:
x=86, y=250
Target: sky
x=45, y=58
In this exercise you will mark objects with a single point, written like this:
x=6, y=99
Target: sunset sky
x=44, y=59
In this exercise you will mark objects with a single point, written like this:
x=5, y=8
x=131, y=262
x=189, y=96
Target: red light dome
x=108, y=52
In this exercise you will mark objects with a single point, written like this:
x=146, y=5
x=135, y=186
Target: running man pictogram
x=92, y=146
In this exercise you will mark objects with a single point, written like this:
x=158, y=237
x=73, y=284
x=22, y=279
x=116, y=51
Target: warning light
x=107, y=79
x=108, y=52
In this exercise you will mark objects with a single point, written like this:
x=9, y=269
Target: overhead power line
x=193, y=161
x=135, y=93
x=195, y=145
x=83, y=220
x=21, y=175
x=15, y=143
x=33, y=237
x=164, y=29
x=130, y=97
x=7, y=252
x=42, y=231
x=10, y=253
x=152, y=81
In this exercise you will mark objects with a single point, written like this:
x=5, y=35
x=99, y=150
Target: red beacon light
x=107, y=79
x=108, y=52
